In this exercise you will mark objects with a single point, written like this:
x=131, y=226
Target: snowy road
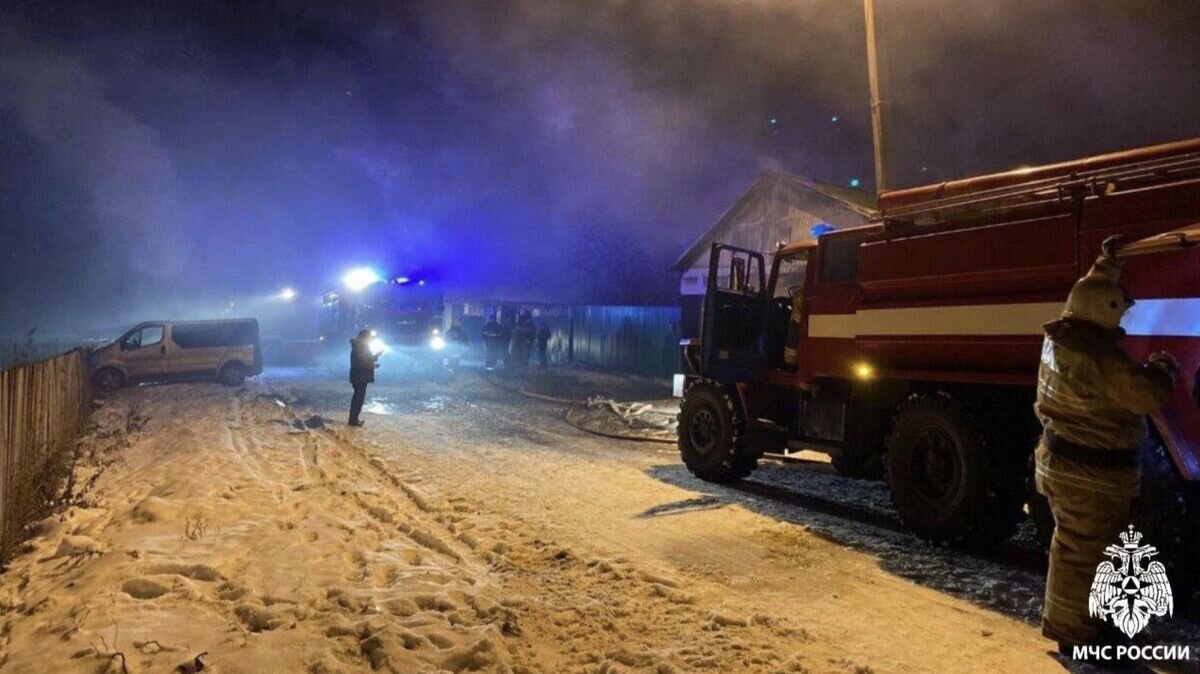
x=778, y=544
x=855, y=513
x=468, y=528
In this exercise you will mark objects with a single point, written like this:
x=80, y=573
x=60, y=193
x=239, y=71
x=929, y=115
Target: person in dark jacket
x=493, y=334
x=456, y=345
x=507, y=325
x=362, y=372
x=543, y=345
x=520, y=345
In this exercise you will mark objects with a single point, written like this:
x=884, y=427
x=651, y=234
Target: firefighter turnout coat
x=1092, y=400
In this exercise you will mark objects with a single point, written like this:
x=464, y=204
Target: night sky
x=162, y=159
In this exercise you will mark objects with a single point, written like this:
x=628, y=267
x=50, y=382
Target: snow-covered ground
x=468, y=527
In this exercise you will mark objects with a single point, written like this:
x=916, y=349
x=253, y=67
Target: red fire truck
x=909, y=348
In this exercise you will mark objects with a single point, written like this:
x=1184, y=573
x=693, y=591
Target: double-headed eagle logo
x=1133, y=590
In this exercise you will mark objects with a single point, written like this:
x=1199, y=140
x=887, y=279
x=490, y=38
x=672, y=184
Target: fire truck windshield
x=404, y=315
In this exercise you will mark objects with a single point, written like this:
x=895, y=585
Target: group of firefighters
x=512, y=342
x=1092, y=400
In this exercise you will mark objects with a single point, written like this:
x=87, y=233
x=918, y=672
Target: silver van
x=227, y=350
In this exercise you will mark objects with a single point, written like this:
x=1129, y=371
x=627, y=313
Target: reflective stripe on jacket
x=1091, y=393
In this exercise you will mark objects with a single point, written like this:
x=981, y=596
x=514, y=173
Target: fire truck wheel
x=940, y=476
x=712, y=435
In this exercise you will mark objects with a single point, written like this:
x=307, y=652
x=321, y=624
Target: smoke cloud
x=166, y=161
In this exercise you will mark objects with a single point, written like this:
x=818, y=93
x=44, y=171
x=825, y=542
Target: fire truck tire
x=942, y=483
x=712, y=435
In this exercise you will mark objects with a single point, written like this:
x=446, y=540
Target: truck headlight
x=437, y=343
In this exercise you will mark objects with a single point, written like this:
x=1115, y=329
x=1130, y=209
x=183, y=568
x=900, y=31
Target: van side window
x=151, y=335
x=204, y=335
x=839, y=260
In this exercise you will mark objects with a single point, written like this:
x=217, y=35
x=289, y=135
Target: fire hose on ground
x=632, y=413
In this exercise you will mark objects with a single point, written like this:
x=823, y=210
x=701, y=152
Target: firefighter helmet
x=1098, y=299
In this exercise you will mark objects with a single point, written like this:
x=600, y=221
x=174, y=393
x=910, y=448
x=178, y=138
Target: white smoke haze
x=164, y=160
x=115, y=157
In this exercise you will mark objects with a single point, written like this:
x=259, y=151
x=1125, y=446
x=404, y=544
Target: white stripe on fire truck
x=1178, y=317
x=975, y=319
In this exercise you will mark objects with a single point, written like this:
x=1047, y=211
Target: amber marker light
x=864, y=371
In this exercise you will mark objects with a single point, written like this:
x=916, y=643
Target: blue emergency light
x=821, y=228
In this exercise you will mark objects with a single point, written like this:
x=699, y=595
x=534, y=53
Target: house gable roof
x=770, y=185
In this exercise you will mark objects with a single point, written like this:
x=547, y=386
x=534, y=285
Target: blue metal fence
x=638, y=340
x=634, y=339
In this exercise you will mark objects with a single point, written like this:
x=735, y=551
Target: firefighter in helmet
x=1092, y=400
x=493, y=334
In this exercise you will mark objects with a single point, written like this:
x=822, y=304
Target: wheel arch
x=738, y=391
x=981, y=502
x=118, y=367
x=728, y=457
x=1004, y=415
x=230, y=361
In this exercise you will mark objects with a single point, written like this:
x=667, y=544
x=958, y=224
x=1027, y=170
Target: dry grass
x=35, y=498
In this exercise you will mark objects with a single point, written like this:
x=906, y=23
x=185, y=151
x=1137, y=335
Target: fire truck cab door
x=734, y=306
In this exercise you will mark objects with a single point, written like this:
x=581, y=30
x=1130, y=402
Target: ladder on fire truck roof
x=1039, y=192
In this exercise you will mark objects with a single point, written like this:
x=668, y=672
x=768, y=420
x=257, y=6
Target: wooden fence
x=43, y=407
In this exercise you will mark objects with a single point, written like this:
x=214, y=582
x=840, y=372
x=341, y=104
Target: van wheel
x=940, y=476
x=233, y=374
x=109, y=380
x=712, y=438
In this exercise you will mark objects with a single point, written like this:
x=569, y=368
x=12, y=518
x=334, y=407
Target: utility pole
x=881, y=182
